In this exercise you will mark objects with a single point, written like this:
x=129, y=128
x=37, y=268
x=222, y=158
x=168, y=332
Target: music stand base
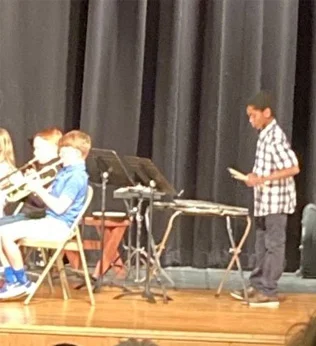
x=146, y=292
x=97, y=283
x=150, y=296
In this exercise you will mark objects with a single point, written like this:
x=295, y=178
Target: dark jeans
x=5, y=220
x=270, y=253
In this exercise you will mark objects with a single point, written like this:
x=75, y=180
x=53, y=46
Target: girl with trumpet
x=7, y=163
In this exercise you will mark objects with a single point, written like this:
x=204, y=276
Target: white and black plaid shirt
x=274, y=153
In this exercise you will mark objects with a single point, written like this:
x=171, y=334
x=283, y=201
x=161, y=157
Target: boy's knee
x=273, y=245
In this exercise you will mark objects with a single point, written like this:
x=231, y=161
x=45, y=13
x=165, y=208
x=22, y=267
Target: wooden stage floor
x=194, y=317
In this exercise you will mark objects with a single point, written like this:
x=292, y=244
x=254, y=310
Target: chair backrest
x=83, y=210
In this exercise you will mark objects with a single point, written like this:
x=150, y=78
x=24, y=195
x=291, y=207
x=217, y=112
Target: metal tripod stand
x=147, y=292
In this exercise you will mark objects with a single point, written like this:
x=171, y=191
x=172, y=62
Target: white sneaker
x=10, y=290
x=30, y=286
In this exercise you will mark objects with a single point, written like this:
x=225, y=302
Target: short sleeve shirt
x=274, y=153
x=71, y=181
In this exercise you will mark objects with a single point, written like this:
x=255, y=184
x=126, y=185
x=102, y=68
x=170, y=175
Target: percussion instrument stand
x=134, y=213
x=131, y=212
x=235, y=250
x=156, y=265
x=104, y=176
x=138, y=251
x=195, y=208
x=147, y=293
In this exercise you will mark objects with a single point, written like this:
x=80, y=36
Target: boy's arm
x=282, y=173
x=285, y=161
x=57, y=204
x=254, y=179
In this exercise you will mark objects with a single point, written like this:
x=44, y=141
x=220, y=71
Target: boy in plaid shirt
x=274, y=198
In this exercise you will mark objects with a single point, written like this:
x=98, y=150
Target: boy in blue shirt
x=64, y=202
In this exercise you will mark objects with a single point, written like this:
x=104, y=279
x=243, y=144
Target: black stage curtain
x=167, y=79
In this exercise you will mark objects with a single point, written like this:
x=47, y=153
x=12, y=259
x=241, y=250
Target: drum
x=110, y=214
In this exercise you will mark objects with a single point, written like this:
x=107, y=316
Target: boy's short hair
x=52, y=135
x=76, y=139
x=264, y=99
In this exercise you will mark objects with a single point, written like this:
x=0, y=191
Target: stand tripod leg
x=164, y=273
x=157, y=269
x=139, y=220
x=99, y=281
x=138, y=251
x=164, y=294
x=147, y=294
x=235, y=251
x=131, y=214
x=155, y=258
x=157, y=250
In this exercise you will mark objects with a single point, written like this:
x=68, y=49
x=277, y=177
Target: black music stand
x=105, y=168
x=149, y=175
x=145, y=171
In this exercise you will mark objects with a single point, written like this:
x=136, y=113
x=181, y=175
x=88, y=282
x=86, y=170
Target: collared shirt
x=274, y=153
x=71, y=181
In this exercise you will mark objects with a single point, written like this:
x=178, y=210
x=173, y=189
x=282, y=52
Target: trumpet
x=5, y=181
x=18, y=189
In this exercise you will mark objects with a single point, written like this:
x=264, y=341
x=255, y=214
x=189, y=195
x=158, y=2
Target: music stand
x=106, y=168
x=149, y=175
x=145, y=171
x=105, y=160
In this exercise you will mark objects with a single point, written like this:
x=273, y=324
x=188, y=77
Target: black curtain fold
x=169, y=80
x=33, y=64
x=113, y=73
x=176, y=117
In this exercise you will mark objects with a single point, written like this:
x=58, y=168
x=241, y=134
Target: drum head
x=110, y=214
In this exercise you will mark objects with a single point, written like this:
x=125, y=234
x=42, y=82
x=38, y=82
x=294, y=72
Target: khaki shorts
x=47, y=228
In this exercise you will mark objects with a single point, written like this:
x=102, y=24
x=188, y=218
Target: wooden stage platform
x=194, y=317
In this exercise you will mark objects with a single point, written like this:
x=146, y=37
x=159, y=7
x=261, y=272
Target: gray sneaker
x=240, y=294
x=261, y=300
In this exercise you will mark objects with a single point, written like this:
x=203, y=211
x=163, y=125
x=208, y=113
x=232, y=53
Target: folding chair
x=72, y=243
x=308, y=242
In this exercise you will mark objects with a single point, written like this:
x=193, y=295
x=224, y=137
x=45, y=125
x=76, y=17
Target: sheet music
x=240, y=176
x=237, y=175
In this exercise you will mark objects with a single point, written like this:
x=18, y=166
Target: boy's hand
x=254, y=180
x=34, y=185
x=29, y=171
